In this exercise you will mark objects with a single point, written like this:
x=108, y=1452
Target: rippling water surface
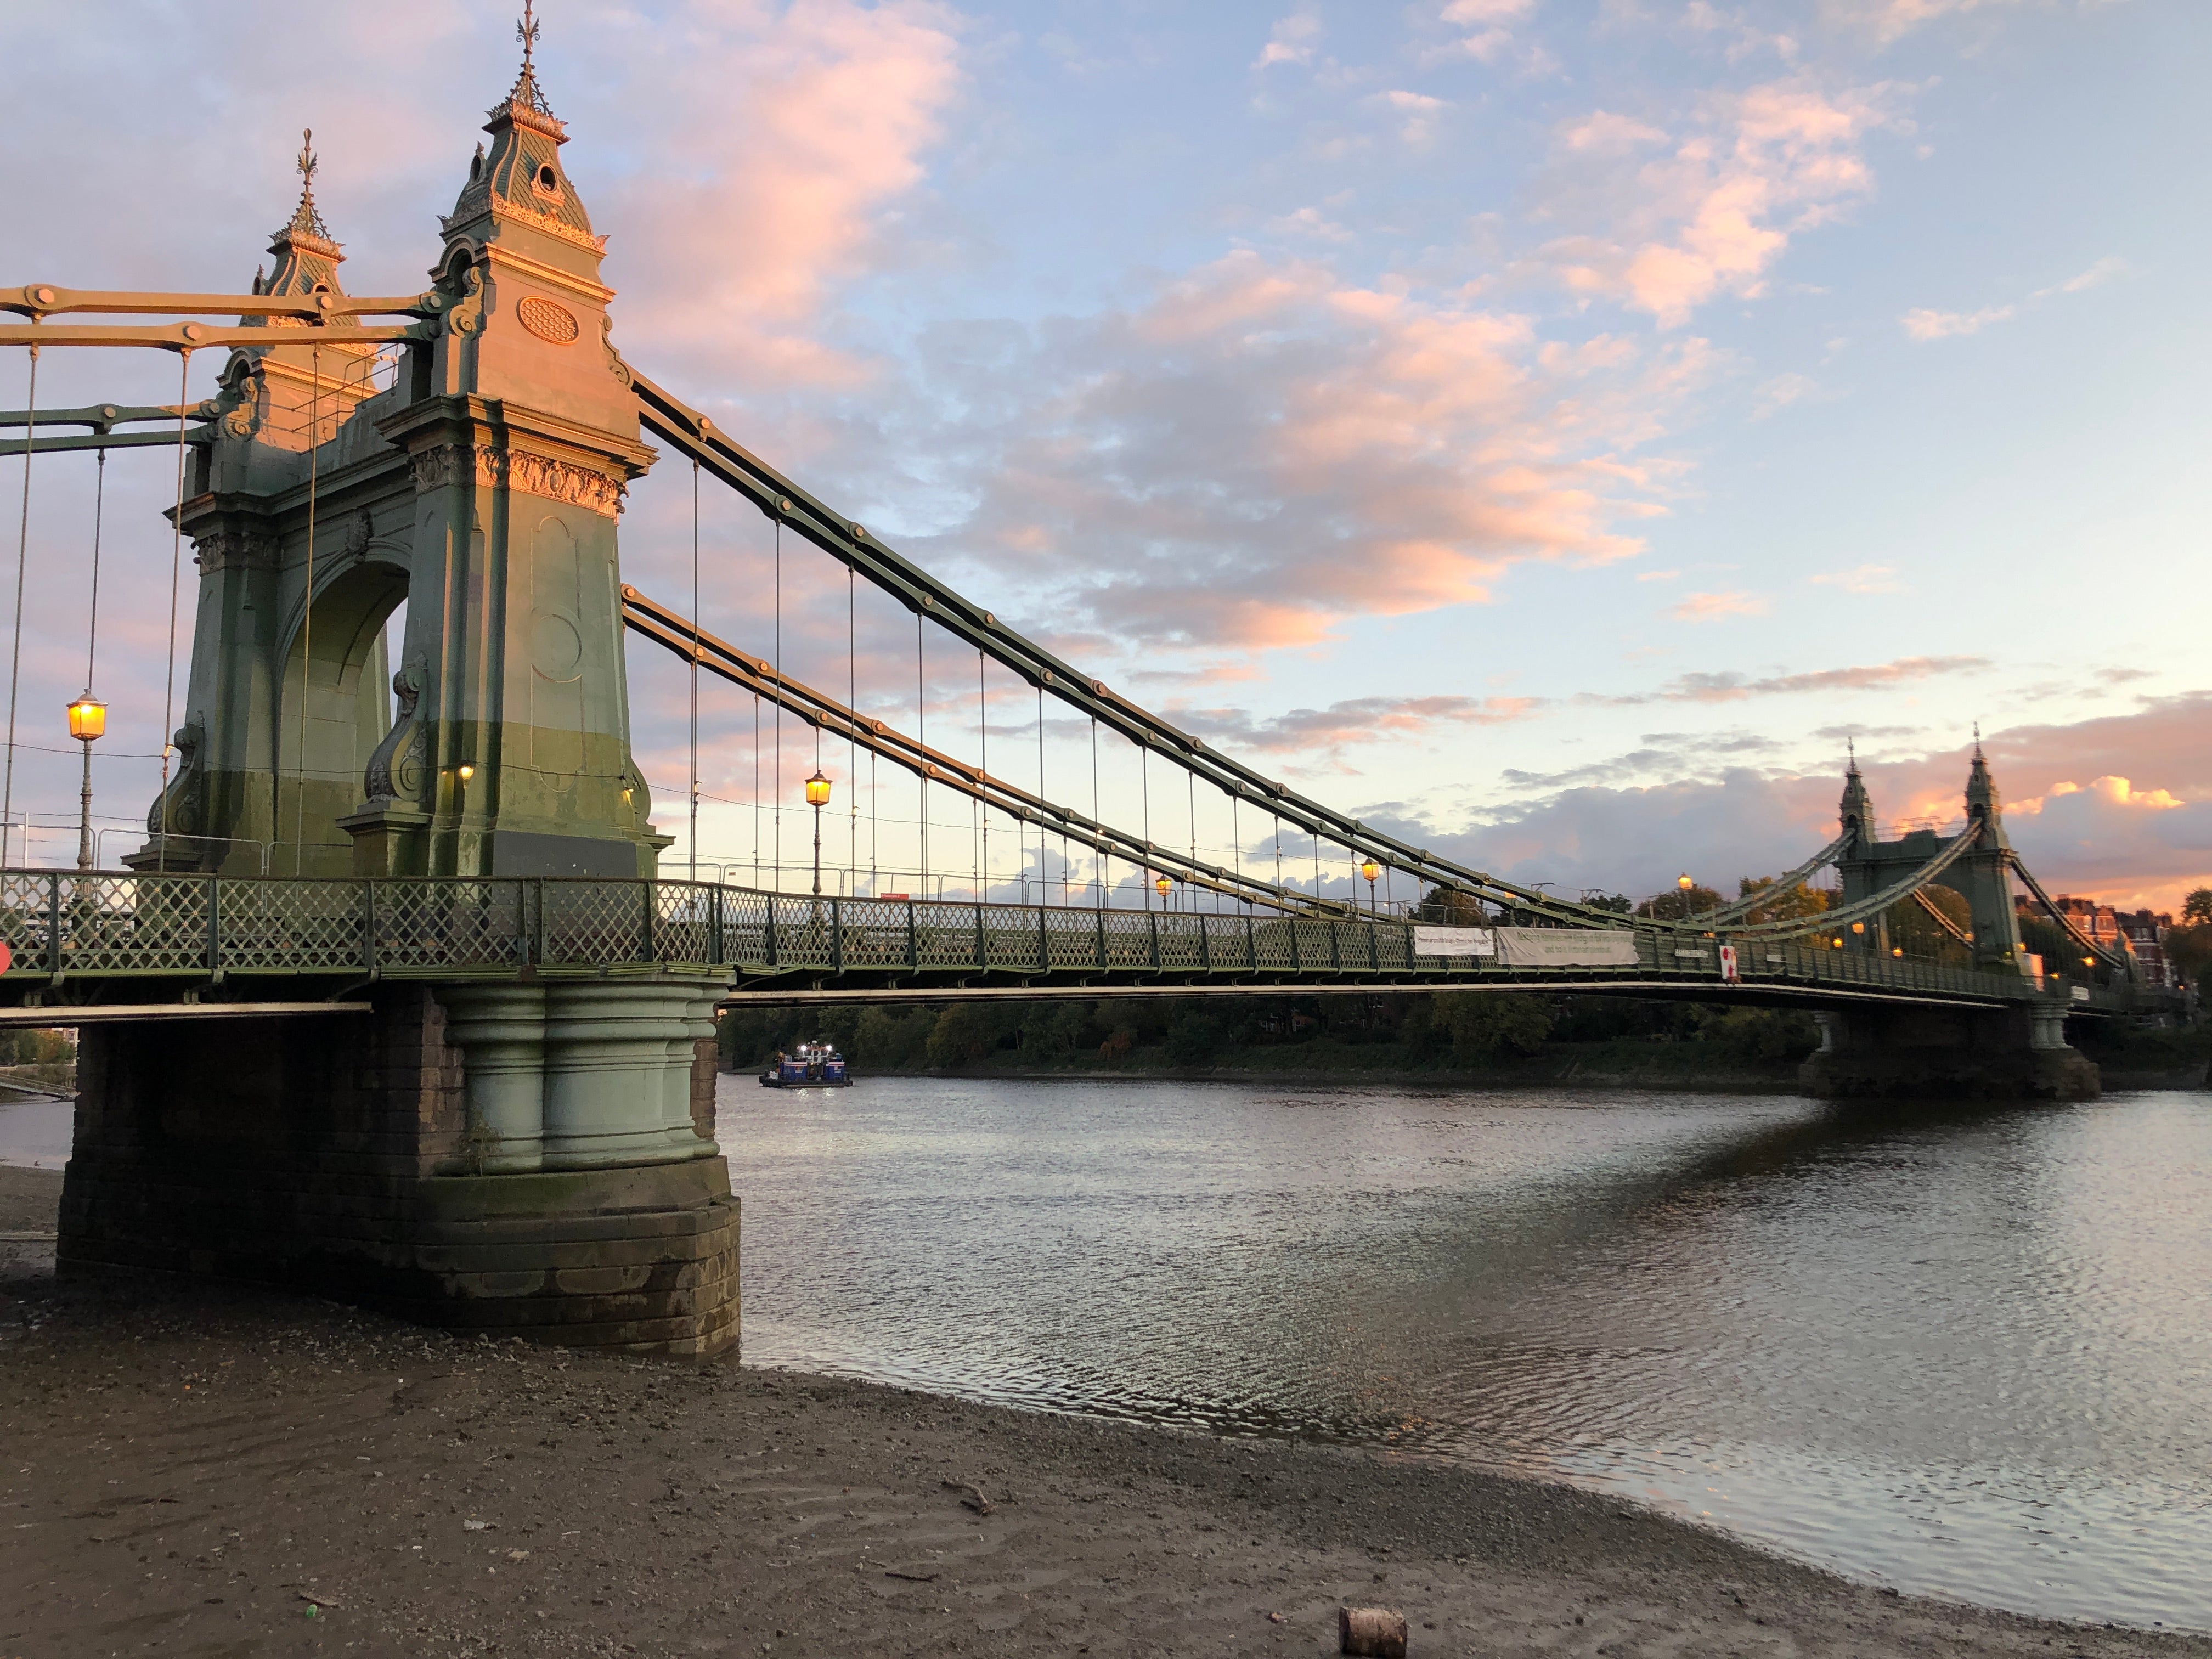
x=1966, y=1354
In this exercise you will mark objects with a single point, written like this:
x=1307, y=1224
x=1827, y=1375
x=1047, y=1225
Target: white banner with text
x=1565, y=947
x=1454, y=942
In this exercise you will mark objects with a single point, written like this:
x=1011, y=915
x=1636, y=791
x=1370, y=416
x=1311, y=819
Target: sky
x=1548, y=429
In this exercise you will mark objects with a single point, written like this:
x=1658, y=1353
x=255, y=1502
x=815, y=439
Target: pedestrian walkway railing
x=62, y=926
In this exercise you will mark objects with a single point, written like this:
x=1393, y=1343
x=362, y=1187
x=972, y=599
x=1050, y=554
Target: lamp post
x=1372, y=870
x=87, y=720
x=1164, y=887
x=817, y=797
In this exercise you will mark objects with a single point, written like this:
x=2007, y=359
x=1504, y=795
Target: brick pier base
x=342, y=1155
x=1886, y=1051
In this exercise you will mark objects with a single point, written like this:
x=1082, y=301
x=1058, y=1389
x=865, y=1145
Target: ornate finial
x=526, y=96
x=306, y=220
x=1851, y=748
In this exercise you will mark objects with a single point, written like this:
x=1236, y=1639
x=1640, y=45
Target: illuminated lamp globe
x=1858, y=927
x=1684, y=882
x=817, y=789
x=1838, y=941
x=1370, y=870
x=1163, y=886
x=1897, y=950
x=88, y=718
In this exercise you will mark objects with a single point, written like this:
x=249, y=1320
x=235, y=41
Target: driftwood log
x=1376, y=1631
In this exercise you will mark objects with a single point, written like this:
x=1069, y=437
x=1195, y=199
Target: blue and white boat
x=810, y=1065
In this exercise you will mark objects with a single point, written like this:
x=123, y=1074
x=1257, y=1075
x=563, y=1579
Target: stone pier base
x=1876, y=1051
x=546, y=1170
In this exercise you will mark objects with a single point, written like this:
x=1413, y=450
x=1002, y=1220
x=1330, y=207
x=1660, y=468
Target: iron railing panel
x=483, y=922
x=290, y=927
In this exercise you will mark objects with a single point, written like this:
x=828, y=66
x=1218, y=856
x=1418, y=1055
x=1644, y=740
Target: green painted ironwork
x=65, y=927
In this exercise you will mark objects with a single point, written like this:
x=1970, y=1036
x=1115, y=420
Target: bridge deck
x=82, y=940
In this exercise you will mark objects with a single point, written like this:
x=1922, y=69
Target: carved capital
x=441, y=468
x=236, y=547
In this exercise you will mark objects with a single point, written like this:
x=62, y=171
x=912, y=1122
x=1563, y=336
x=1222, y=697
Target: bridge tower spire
x=1984, y=875
x=1855, y=813
x=521, y=449
x=241, y=778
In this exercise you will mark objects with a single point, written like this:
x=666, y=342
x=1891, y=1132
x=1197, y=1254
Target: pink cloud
x=1735, y=688
x=1925, y=324
x=790, y=131
x=1292, y=41
x=1318, y=734
x=1714, y=607
x=1488, y=25
x=1892, y=20
x=1751, y=170
x=1261, y=449
x=1420, y=112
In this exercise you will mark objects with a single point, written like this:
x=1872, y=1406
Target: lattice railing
x=61, y=923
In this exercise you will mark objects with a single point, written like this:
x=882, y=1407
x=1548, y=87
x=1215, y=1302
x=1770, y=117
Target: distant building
x=2140, y=933
x=2146, y=931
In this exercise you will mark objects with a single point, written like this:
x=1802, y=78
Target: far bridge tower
x=1894, y=1048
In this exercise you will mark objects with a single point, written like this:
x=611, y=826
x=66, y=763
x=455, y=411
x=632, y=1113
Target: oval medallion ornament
x=548, y=321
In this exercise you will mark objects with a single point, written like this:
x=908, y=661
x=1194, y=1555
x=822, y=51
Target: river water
x=1967, y=1354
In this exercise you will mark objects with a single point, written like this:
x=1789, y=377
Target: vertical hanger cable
x=695, y=668
x=22, y=558
x=308, y=616
x=85, y=847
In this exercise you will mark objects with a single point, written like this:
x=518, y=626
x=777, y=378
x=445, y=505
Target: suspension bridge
x=395, y=997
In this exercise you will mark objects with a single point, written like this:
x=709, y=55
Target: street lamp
x=817, y=797
x=1164, y=887
x=1370, y=870
x=88, y=719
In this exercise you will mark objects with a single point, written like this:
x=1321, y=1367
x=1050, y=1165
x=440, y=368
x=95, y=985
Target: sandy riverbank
x=210, y=1470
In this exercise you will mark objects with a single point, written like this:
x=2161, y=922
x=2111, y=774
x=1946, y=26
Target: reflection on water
x=1967, y=1355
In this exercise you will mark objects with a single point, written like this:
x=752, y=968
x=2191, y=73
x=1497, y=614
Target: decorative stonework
x=615, y=365
x=440, y=469
x=548, y=321
x=501, y=208
x=235, y=548
x=533, y=475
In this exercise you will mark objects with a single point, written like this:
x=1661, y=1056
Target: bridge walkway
x=83, y=941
